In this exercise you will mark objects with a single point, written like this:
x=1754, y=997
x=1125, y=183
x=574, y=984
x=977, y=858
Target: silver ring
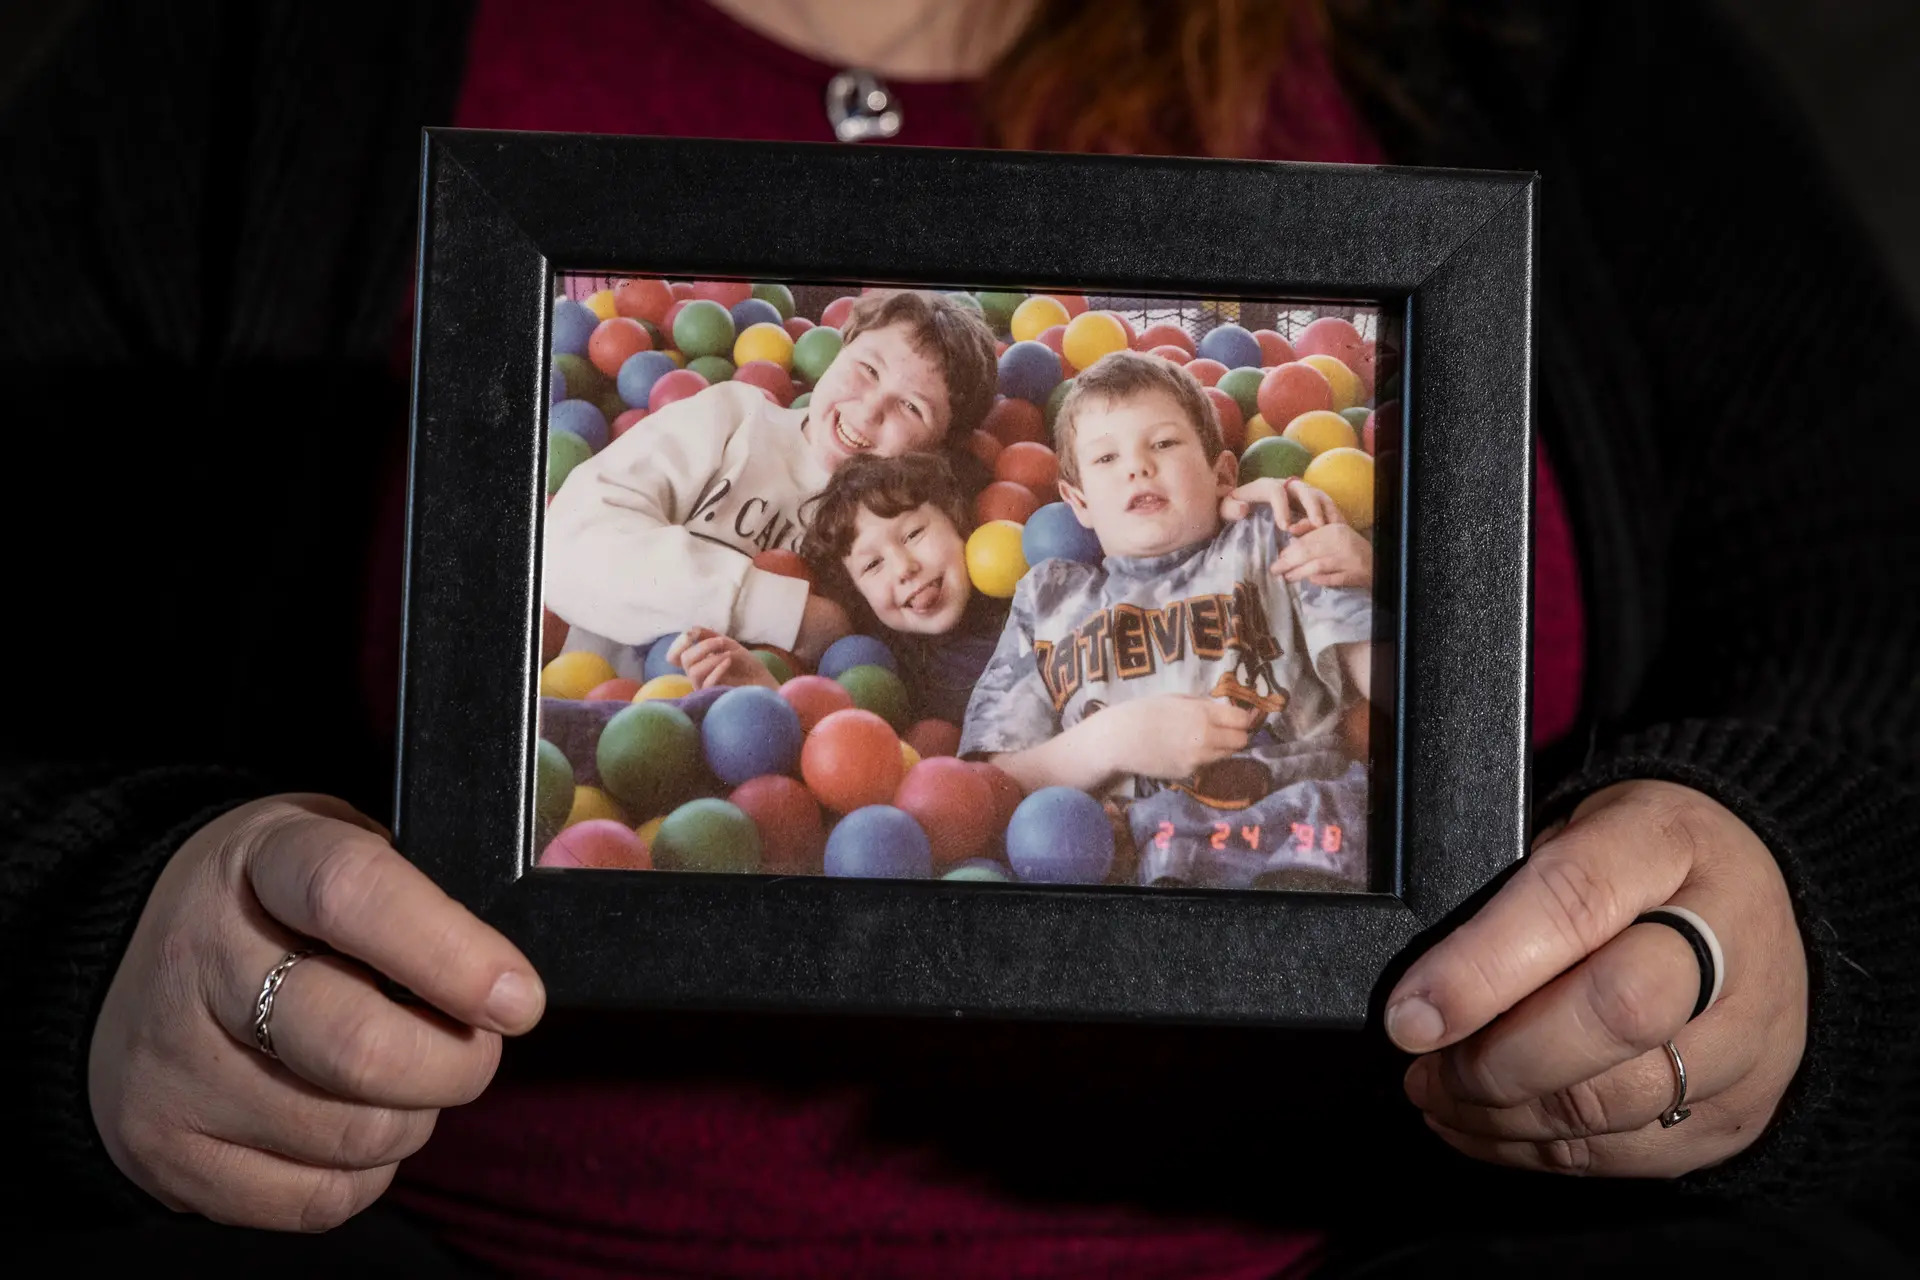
x=263, y=1003
x=1679, y=1110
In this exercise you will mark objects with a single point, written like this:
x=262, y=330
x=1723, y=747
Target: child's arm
x=1356, y=663
x=1323, y=548
x=710, y=659
x=1168, y=736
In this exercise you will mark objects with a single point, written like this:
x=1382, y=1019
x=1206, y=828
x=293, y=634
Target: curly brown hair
x=887, y=487
x=1125, y=374
x=951, y=334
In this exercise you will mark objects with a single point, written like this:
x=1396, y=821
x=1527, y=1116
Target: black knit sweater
x=207, y=209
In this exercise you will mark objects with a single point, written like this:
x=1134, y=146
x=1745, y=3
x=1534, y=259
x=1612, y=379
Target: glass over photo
x=1043, y=588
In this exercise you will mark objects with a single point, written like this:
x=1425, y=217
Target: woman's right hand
x=195, y=1114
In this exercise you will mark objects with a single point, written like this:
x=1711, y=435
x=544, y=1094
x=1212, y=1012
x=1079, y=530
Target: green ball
x=775, y=664
x=707, y=835
x=552, y=787
x=649, y=758
x=1358, y=416
x=703, y=328
x=1274, y=457
x=612, y=406
x=802, y=400
x=1055, y=400
x=968, y=300
x=657, y=340
x=814, y=350
x=999, y=308
x=1244, y=386
x=876, y=689
x=712, y=368
x=584, y=382
x=979, y=870
x=779, y=295
x=565, y=451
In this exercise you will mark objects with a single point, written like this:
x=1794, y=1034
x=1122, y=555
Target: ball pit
x=769, y=377
x=625, y=423
x=1243, y=384
x=1258, y=428
x=1357, y=416
x=1167, y=335
x=985, y=447
x=933, y=738
x=1208, y=371
x=1332, y=336
x=879, y=841
x=664, y=688
x=751, y=311
x=769, y=342
x=1033, y=465
x=1051, y=410
x=985, y=870
x=600, y=303
x=834, y=315
x=1343, y=381
x=1274, y=349
x=618, y=689
x=591, y=804
x=605, y=844
x=553, y=786
x=584, y=382
x=670, y=388
x=1226, y=410
x=637, y=376
x=998, y=308
x=779, y=296
x=703, y=328
x=726, y=293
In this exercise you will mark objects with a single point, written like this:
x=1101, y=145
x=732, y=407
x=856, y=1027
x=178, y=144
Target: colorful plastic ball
x=657, y=664
x=673, y=315
x=851, y=760
x=1258, y=428
x=637, y=376
x=700, y=701
x=1346, y=476
x=1054, y=339
x=775, y=664
x=625, y=423
x=715, y=369
x=765, y=341
x=584, y=382
x=1167, y=351
x=908, y=756
x=553, y=786
x=1332, y=336
x=815, y=698
x=1357, y=417
x=556, y=385
x=1032, y=465
x=769, y=377
x=1052, y=409
x=855, y=651
x=1029, y=371
x=664, y=688
x=752, y=311
x=879, y=690
x=681, y=290
x=1007, y=794
x=985, y=447
x=603, y=844
x=1290, y=390
x=614, y=342
x=792, y=836
x=1054, y=533
x=565, y=451
x=707, y=835
x=1075, y=303
x=1126, y=326
x=967, y=300
x=573, y=675
x=932, y=738
x=788, y=564
x=1320, y=431
x=1274, y=349
x=1243, y=384
x=643, y=298
x=573, y=326
x=610, y=406
x=649, y=829
x=618, y=689
x=878, y=842
x=998, y=308
x=582, y=419
x=1092, y=336
x=748, y=732
x=953, y=805
x=1004, y=500
x=1344, y=382
x=815, y=351
x=776, y=294
x=1274, y=458
x=995, y=562
x=795, y=326
x=591, y=804
x=703, y=328
x=601, y=303
x=1163, y=335
x=727, y=293
x=984, y=870
x=675, y=386
x=801, y=401
x=1206, y=371
x=834, y=315
x=1034, y=316
x=1231, y=345
x=1226, y=410
x=649, y=757
x=553, y=634
x=1015, y=421
x=1060, y=835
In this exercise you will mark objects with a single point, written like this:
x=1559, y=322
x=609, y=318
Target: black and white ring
x=1706, y=950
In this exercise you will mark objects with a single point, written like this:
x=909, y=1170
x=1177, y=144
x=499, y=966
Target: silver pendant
x=860, y=107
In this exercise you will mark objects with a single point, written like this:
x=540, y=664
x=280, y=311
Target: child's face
x=1146, y=485
x=881, y=396
x=911, y=568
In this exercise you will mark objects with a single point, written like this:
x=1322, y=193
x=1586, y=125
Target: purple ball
x=573, y=324
x=754, y=311
x=581, y=418
x=556, y=386
x=855, y=651
x=700, y=701
x=1232, y=346
x=638, y=373
x=1029, y=371
x=879, y=842
x=750, y=732
x=1052, y=533
x=1060, y=836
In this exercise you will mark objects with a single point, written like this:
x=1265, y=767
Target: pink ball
x=834, y=316
x=728, y=293
x=796, y=325
x=1166, y=335
x=1208, y=371
x=598, y=842
x=769, y=377
x=622, y=424
x=674, y=386
x=792, y=837
x=1167, y=351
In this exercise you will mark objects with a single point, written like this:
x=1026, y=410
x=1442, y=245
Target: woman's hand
x=193, y=1112
x=1550, y=1009
x=710, y=659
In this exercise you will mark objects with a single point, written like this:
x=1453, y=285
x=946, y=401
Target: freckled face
x=881, y=395
x=1146, y=485
x=911, y=569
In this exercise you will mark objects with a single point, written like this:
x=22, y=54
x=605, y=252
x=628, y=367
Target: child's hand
x=1333, y=555
x=821, y=624
x=710, y=659
x=1315, y=509
x=1175, y=734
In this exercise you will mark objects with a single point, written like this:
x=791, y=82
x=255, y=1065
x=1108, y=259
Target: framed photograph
x=875, y=579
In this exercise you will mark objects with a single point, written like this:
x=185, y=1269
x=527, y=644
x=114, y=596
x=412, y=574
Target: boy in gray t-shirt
x=1180, y=679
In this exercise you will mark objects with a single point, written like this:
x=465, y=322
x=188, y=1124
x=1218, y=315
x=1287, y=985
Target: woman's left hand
x=1542, y=1036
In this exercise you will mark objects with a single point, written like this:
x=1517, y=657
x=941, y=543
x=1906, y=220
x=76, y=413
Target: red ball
x=1125, y=327
x=1000, y=348
x=1012, y=420
x=728, y=293
x=834, y=315
x=553, y=634
x=613, y=341
x=1331, y=336
x=1167, y=351
x=619, y=689
x=1208, y=371
x=624, y=423
x=815, y=698
x=787, y=564
x=1007, y=794
x=769, y=377
x=934, y=738
x=1233, y=427
x=1165, y=335
x=792, y=836
x=673, y=386
x=1056, y=337
x=673, y=313
x=681, y=290
x=1076, y=304
x=953, y=804
x=598, y=842
x=1032, y=465
x=851, y=760
x=796, y=325
x=1291, y=390
x=643, y=299
x=984, y=447
x=1005, y=500
x=1274, y=349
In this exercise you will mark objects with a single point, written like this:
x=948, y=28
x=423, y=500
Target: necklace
x=860, y=106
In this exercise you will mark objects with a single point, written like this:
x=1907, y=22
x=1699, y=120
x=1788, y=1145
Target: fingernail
x=514, y=1000
x=1415, y=1083
x=1413, y=1024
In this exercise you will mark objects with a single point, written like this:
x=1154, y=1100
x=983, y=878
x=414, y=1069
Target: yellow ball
x=572, y=675
x=679, y=361
x=649, y=829
x=1091, y=335
x=1034, y=317
x=995, y=561
x=664, y=687
x=1258, y=428
x=590, y=803
x=909, y=755
x=764, y=341
x=1319, y=430
x=1347, y=391
x=1346, y=476
x=601, y=304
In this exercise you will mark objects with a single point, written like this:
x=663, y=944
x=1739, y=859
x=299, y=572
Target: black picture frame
x=1450, y=251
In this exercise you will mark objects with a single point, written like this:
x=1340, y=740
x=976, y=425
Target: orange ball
x=1291, y=390
x=984, y=447
x=1233, y=427
x=851, y=760
x=952, y=803
x=815, y=698
x=1013, y=420
x=1274, y=349
x=787, y=564
x=1005, y=500
x=1032, y=465
x=933, y=738
x=613, y=341
x=1165, y=335
x=1208, y=371
x=681, y=291
x=643, y=299
x=618, y=689
x=1167, y=351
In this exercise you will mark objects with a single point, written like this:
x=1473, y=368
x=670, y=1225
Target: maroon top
x=703, y=1176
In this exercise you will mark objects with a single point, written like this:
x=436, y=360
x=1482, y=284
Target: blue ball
x=754, y=311
x=1052, y=533
x=879, y=841
x=750, y=732
x=556, y=386
x=1060, y=836
x=855, y=651
x=637, y=375
x=1029, y=371
x=573, y=324
x=583, y=419
x=657, y=664
x=1232, y=346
